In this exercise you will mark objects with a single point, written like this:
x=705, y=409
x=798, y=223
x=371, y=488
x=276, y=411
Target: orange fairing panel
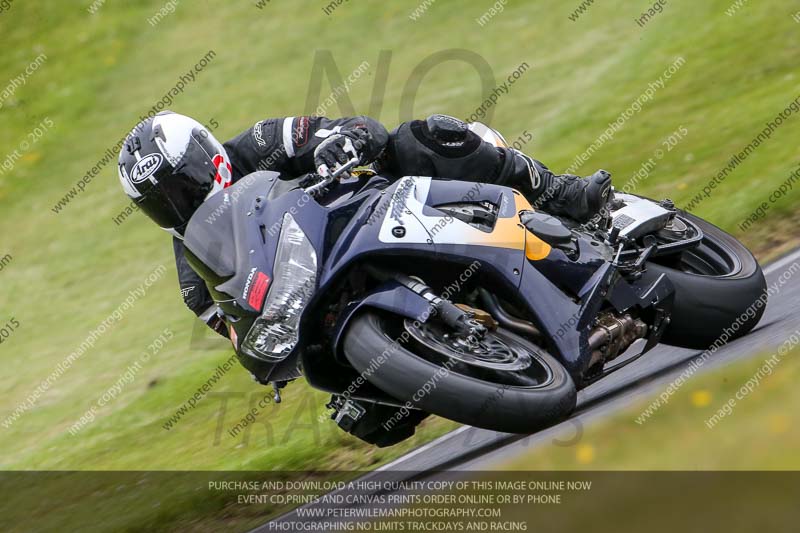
x=423, y=227
x=535, y=248
x=509, y=233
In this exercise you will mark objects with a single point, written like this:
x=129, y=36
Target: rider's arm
x=194, y=291
x=287, y=144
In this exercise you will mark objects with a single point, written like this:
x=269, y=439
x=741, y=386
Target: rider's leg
x=566, y=194
x=445, y=147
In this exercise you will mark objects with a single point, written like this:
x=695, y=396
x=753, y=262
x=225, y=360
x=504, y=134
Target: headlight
x=274, y=334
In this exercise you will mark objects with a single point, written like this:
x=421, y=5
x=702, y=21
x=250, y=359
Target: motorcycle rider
x=170, y=163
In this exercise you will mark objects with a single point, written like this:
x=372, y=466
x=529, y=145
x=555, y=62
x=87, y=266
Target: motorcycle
x=458, y=298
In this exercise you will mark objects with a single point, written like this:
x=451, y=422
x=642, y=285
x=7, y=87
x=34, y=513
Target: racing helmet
x=168, y=165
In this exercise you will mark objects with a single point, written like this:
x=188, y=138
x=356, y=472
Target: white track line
x=772, y=267
x=426, y=447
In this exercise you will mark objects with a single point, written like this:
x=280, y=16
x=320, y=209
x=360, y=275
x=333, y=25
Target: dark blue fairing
x=234, y=236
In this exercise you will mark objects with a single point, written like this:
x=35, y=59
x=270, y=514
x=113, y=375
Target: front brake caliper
x=480, y=315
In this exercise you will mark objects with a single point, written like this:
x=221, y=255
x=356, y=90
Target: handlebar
x=319, y=187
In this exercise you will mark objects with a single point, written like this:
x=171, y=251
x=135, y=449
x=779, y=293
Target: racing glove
x=339, y=148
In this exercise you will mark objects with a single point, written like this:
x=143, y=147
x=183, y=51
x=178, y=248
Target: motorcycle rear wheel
x=717, y=288
x=489, y=390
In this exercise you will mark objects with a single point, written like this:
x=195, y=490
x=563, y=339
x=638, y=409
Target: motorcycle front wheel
x=501, y=382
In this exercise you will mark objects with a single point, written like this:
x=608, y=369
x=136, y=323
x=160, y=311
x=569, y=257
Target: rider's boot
x=561, y=195
x=573, y=196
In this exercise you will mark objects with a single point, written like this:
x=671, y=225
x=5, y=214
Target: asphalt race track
x=469, y=448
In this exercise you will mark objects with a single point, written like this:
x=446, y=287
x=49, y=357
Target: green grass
x=673, y=457
x=70, y=270
x=760, y=432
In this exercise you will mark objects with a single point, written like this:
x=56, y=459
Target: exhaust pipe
x=523, y=327
x=613, y=335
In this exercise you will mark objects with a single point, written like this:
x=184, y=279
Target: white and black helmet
x=169, y=165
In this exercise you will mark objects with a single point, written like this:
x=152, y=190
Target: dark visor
x=180, y=190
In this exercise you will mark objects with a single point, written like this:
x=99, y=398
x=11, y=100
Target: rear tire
x=458, y=396
x=715, y=285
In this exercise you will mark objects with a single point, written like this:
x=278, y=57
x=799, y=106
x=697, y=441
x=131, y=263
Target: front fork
x=461, y=320
x=413, y=299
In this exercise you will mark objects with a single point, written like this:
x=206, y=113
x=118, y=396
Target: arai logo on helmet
x=145, y=167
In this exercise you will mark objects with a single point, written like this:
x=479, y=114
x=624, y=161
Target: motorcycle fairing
x=233, y=237
x=413, y=208
x=242, y=239
x=233, y=234
x=390, y=296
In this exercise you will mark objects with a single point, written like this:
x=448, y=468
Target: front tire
x=510, y=403
x=716, y=289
